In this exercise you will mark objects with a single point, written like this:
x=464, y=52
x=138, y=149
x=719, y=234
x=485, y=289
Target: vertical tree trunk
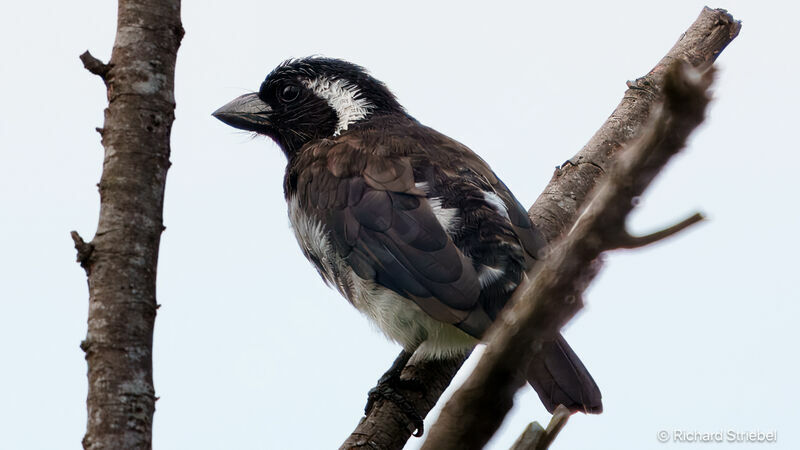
x=121, y=259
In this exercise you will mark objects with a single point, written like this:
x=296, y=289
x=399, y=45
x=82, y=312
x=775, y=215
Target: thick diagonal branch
x=557, y=208
x=545, y=302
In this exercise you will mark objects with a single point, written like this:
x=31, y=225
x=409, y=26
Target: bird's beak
x=246, y=112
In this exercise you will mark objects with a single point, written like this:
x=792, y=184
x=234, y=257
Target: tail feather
x=559, y=377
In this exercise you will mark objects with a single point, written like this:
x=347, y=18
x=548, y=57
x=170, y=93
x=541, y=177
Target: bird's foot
x=390, y=387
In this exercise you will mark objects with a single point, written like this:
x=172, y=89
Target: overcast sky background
x=252, y=351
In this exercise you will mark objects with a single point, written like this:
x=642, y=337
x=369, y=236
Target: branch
x=95, y=66
x=557, y=208
x=386, y=415
x=84, y=250
x=626, y=240
x=121, y=260
x=537, y=438
x=543, y=304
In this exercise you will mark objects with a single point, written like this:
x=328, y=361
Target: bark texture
x=121, y=260
x=557, y=208
x=545, y=302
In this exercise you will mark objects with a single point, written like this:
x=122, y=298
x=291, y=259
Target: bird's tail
x=559, y=377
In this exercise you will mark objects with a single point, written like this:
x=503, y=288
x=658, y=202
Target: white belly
x=404, y=322
x=399, y=318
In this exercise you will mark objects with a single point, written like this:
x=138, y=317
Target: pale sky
x=253, y=351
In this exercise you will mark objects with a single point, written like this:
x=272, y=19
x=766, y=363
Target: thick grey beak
x=246, y=112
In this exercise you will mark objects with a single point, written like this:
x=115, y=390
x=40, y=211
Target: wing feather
x=383, y=226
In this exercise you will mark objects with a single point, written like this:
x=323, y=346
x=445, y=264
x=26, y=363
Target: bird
x=412, y=227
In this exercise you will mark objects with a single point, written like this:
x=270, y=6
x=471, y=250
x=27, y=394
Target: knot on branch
x=86, y=345
x=84, y=250
x=95, y=66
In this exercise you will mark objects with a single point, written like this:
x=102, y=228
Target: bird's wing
x=529, y=236
x=381, y=223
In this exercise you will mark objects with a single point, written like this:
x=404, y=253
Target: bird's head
x=307, y=99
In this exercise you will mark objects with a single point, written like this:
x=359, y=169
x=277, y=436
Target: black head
x=307, y=99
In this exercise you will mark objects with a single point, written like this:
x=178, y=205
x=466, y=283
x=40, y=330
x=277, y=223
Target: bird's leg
x=397, y=367
x=389, y=386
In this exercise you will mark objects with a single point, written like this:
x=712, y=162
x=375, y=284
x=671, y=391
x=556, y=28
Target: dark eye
x=288, y=93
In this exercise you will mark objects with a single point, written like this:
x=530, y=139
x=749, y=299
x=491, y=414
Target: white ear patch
x=341, y=96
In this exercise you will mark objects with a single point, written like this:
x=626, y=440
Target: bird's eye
x=289, y=93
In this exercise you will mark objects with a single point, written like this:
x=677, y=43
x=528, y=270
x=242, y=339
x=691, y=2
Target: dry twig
x=534, y=437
